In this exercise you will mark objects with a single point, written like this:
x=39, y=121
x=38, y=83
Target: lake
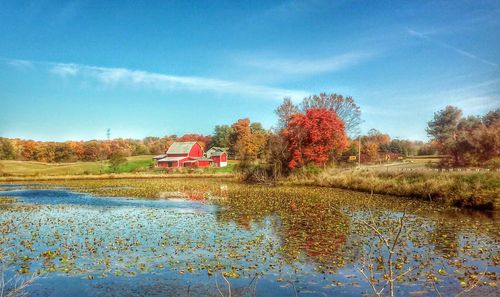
x=217, y=237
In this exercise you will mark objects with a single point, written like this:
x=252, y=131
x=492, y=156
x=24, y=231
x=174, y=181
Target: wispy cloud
x=128, y=77
x=451, y=47
x=20, y=63
x=475, y=97
x=65, y=69
x=308, y=67
x=294, y=9
x=477, y=104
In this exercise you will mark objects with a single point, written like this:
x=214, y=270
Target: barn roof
x=171, y=159
x=203, y=159
x=159, y=157
x=181, y=147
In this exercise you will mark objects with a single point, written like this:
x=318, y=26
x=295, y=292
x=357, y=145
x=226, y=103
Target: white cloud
x=455, y=49
x=330, y=64
x=123, y=76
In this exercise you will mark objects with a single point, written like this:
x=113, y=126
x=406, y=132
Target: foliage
x=222, y=136
x=93, y=150
x=6, y=149
x=469, y=141
x=203, y=140
x=345, y=108
x=277, y=154
x=248, y=140
x=317, y=136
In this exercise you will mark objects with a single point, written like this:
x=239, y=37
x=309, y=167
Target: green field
x=134, y=164
x=31, y=168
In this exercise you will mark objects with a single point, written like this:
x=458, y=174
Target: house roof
x=171, y=159
x=181, y=147
x=216, y=154
x=216, y=151
x=217, y=148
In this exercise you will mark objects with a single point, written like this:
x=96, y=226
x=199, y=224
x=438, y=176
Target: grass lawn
x=31, y=168
x=231, y=164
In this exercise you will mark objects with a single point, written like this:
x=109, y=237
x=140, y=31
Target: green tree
x=6, y=149
x=116, y=160
x=222, y=136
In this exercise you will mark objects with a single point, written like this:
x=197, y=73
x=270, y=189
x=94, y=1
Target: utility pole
x=359, y=150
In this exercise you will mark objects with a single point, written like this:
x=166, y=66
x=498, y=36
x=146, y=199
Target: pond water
x=216, y=237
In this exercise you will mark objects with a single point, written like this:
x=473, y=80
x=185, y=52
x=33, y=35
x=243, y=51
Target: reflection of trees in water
x=444, y=239
x=306, y=227
x=449, y=226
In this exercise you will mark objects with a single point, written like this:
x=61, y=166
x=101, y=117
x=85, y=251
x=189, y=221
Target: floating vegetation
x=283, y=239
x=7, y=200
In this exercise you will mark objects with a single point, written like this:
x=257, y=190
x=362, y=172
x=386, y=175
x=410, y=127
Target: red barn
x=183, y=154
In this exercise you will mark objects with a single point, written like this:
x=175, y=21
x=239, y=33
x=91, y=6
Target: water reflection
x=289, y=239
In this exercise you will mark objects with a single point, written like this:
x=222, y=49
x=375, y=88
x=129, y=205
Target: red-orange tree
x=314, y=137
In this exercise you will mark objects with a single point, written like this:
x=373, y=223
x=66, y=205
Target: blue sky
x=72, y=69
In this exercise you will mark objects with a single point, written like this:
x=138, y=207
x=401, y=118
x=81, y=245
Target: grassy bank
x=463, y=189
x=33, y=169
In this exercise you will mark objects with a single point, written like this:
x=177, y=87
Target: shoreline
x=471, y=190
x=114, y=176
x=460, y=189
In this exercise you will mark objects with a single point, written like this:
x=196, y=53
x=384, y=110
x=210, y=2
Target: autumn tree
x=63, y=152
x=248, y=140
x=374, y=144
x=203, y=140
x=317, y=136
x=472, y=140
x=344, y=107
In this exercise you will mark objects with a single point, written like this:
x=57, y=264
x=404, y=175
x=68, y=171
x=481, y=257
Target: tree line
x=321, y=129
x=93, y=150
x=467, y=141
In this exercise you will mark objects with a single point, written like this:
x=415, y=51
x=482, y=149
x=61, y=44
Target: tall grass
x=463, y=189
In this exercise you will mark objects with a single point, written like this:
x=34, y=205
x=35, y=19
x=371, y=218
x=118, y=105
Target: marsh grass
x=7, y=200
x=462, y=189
